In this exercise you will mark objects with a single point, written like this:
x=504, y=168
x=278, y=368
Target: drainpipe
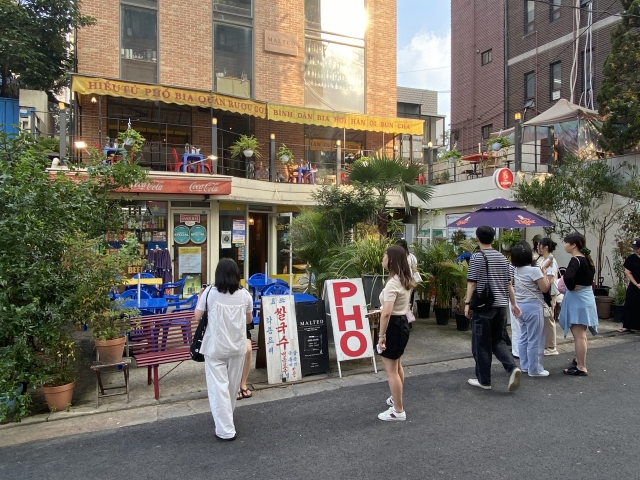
x=506, y=64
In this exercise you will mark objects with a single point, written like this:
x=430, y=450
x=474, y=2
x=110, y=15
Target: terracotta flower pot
x=110, y=351
x=58, y=397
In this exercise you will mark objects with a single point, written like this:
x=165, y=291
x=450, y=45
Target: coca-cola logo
x=156, y=186
x=209, y=187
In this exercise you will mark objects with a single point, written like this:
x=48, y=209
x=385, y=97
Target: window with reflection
x=234, y=7
x=139, y=41
x=233, y=59
x=334, y=54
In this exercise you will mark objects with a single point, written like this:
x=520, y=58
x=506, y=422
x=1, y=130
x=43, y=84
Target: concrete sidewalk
x=183, y=389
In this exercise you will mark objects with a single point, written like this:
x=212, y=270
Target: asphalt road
x=556, y=427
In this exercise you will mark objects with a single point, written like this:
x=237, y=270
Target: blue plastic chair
x=186, y=305
x=134, y=294
x=172, y=297
x=276, y=289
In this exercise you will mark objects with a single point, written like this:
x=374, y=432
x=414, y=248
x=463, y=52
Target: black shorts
x=397, y=337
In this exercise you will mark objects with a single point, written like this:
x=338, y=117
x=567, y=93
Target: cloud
x=425, y=52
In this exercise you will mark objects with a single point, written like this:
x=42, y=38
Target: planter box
x=462, y=322
x=442, y=315
x=423, y=308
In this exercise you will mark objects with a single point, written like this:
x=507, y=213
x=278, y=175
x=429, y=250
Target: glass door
x=190, y=240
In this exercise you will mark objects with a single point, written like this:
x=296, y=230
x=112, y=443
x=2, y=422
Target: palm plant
x=385, y=175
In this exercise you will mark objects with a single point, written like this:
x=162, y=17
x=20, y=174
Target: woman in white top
x=394, y=327
x=224, y=345
x=545, y=247
x=530, y=283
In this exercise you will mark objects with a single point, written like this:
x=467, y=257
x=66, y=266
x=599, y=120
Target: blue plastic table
x=190, y=160
x=154, y=304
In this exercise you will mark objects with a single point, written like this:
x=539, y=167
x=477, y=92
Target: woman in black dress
x=632, y=299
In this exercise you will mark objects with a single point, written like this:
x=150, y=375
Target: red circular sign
x=503, y=178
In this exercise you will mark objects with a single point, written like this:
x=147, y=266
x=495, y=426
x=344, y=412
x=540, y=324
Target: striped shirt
x=499, y=275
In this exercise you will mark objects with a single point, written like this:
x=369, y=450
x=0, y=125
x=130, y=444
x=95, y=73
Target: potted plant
x=248, y=146
x=284, y=154
x=509, y=238
x=424, y=292
x=442, y=177
x=498, y=143
x=57, y=364
x=462, y=322
x=132, y=141
x=447, y=278
x=617, y=307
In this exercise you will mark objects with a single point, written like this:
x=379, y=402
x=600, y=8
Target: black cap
x=635, y=243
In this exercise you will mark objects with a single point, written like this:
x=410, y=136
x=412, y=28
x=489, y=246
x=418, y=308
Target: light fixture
x=94, y=99
x=251, y=221
x=337, y=143
x=214, y=121
x=273, y=136
x=61, y=105
x=429, y=144
x=212, y=157
x=517, y=116
x=80, y=144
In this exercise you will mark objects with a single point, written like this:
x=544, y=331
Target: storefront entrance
x=258, y=242
x=190, y=241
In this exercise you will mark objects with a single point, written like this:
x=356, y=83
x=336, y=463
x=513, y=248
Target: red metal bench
x=160, y=339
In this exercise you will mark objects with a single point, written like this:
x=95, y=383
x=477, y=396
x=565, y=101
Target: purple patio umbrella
x=500, y=213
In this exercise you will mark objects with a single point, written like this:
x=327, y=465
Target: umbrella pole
x=138, y=290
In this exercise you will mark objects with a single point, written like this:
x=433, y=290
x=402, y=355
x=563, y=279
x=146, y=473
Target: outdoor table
x=145, y=304
x=116, y=152
x=142, y=281
x=302, y=171
x=190, y=160
x=257, y=285
x=474, y=160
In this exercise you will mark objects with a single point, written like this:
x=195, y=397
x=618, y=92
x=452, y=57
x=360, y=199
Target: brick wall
x=279, y=78
x=546, y=32
x=186, y=43
x=380, y=58
x=288, y=133
x=99, y=45
x=477, y=91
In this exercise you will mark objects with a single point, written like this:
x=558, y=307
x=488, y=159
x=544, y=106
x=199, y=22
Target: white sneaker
x=392, y=416
x=475, y=383
x=390, y=401
x=543, y=373
x=551, y=351
x=514, y=379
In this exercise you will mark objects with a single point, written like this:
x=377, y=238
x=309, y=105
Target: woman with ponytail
x=579, y=304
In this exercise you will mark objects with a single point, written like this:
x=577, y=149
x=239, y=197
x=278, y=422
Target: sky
x=424, y=45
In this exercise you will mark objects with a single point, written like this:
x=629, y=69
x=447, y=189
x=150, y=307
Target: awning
x=180, y=96
x=86, y=85
x=563, y=111
x=350, y=121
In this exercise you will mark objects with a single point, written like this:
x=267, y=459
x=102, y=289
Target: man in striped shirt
x=489, y=326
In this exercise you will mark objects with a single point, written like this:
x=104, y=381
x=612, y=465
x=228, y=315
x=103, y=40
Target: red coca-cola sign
x=503, y=178
x=194, y=187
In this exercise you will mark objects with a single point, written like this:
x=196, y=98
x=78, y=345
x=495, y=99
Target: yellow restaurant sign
x=84, y=85
x=350, y=121
x=181, y=96
x=330, y=145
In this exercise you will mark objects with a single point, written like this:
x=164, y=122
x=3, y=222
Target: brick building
x=477, y=72
x=316, y=75
x=524, y=64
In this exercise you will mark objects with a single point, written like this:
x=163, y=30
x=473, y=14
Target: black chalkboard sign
x=312, y=337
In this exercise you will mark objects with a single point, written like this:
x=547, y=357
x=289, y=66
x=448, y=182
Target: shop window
x=233, y=7
x=408, y=110
x=555, y=9
x=529, y=86
x=529, y=16
x=487, y=57
x=139, y=41
x=556, y=80
x=341, y=17
x=486, y=131
x=233, y=59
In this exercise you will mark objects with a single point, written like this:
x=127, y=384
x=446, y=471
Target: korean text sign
x=281, y=338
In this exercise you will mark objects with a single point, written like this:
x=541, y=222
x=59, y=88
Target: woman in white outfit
x=224, y=344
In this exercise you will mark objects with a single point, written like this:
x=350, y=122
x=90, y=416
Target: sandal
x=574, y=362
x=239, y=396
x=245, y=392
x=575, y=372
x=624, y=330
